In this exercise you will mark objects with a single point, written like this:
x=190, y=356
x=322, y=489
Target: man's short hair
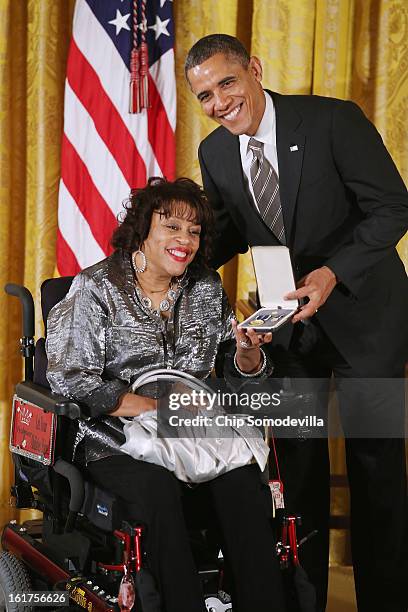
x=208, y=46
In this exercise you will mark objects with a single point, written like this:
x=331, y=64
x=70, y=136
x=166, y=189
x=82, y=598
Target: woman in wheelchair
x=155, y=303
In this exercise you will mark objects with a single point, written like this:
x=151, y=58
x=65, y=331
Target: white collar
x=266, y=129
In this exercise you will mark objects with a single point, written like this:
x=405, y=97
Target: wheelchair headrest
x=53, y=290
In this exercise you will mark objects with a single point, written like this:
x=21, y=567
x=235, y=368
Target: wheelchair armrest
x=48, y=401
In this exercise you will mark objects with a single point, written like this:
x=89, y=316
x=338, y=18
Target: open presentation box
x=274, y=277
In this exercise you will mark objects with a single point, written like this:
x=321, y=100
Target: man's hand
x=317, y=286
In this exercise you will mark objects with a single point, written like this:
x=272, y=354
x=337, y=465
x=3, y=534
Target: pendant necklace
x=165, y=304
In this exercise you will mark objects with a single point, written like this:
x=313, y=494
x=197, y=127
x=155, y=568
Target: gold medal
x=257, y=322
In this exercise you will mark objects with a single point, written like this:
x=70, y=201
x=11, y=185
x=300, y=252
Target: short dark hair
x=170, y=198
x=208, y=46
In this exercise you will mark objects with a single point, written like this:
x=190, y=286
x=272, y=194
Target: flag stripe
x=79, y=183
x=160, y=133
x=159, y=72
x=76, y=231
x=108, y=122
x=67, y=262
x=105, y=172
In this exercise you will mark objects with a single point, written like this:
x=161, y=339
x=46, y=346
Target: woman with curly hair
x=154, y=303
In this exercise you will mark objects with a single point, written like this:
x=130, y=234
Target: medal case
x=274, y=277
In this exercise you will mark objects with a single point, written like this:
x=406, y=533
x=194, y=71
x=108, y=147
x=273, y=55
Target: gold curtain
x=347, y=48
x=34, y=39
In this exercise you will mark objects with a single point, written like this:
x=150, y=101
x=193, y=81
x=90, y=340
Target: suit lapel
x=230, y=159
x=290, y=144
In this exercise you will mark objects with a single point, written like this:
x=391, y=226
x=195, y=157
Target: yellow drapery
x=346, y=48
x=34, y=41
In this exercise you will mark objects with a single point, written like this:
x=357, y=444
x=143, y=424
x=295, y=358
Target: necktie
x=265, y=184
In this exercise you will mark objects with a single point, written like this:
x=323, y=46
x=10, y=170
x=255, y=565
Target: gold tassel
x=134, y=98
x=144, y=76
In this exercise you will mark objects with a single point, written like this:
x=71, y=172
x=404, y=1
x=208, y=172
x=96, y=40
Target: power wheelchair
x=83, y=544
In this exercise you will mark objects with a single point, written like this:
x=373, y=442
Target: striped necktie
x=265, y=184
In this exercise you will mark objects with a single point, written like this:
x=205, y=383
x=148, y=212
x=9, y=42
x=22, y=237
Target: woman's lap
x=143, y=484
x=131, y=479
x=238, y=499
x=134, y=480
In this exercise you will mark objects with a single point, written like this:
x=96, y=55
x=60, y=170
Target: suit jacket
x=344, y=205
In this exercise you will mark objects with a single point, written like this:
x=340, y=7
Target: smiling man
x=313, y=174
x=237, y=100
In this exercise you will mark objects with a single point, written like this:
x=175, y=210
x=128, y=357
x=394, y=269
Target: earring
x=142, y=268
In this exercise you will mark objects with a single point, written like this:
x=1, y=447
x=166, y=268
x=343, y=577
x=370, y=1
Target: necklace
x=165, y=303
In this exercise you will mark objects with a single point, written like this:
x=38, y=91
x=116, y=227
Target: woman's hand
x=249, y=357
x=131, y=404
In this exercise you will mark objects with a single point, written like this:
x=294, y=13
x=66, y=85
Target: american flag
x=106, y=151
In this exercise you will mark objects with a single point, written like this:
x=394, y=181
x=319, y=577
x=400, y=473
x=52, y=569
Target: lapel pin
x=294, y=148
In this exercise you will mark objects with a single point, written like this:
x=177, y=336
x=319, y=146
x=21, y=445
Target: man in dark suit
x=313, y=173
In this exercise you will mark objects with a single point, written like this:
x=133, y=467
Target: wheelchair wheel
x=13, y=579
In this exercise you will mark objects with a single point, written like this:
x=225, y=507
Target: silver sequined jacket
x=101, y=338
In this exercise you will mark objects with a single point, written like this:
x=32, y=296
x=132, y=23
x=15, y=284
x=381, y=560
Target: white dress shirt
x=266, y=133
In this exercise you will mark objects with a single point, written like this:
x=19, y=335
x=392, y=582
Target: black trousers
x=376, y=472
x=242, y=506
